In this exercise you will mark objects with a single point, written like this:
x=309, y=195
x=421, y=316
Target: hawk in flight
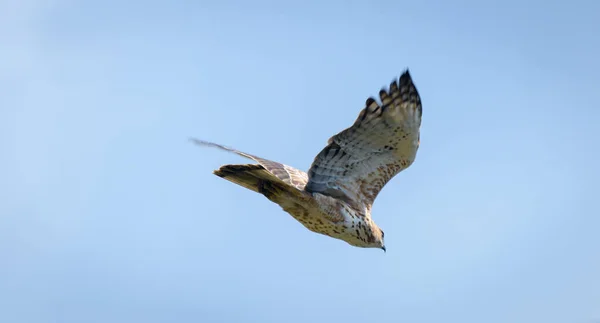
x=335, y=197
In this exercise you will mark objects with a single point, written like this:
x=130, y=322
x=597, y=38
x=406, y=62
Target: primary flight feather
x=336, y=195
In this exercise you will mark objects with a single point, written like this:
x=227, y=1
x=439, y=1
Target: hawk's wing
x=383, y=141
x=285, y=173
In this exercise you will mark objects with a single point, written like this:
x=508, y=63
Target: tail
x=267, y=177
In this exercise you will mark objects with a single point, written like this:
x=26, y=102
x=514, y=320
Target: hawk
x=336, y=195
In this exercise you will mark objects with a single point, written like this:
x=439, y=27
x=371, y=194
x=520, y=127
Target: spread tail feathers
x=249, y=175
x=253, y=177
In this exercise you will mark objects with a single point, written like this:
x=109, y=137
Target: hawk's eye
x=382, y=234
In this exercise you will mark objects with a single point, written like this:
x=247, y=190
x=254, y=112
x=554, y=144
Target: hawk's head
x=366, y=235
x=375, y=237
x=382, y=240
x=379, y=239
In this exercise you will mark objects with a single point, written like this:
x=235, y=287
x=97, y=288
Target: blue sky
x=109, y=214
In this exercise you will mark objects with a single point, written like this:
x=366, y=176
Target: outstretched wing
x=358, y=162
x=287, y=174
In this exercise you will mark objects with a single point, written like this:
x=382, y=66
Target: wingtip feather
x=200, y=142
x=405, y=78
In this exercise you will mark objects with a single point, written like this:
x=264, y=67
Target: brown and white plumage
x=336, y=195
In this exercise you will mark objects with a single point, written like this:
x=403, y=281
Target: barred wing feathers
x=359, y=161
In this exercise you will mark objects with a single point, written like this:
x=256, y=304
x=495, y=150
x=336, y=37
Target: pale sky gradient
x=108, y=214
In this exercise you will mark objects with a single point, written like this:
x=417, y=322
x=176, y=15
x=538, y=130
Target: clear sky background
x=109, y=214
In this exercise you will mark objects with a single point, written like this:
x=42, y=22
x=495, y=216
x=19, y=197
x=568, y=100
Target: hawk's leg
x=268, y=189
x=273, y=191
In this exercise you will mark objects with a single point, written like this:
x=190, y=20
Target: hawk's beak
x=383, y=248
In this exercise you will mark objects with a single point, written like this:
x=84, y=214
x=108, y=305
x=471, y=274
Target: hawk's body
x=336, y=195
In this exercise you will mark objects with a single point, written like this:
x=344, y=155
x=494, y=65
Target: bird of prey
x=335, y=197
